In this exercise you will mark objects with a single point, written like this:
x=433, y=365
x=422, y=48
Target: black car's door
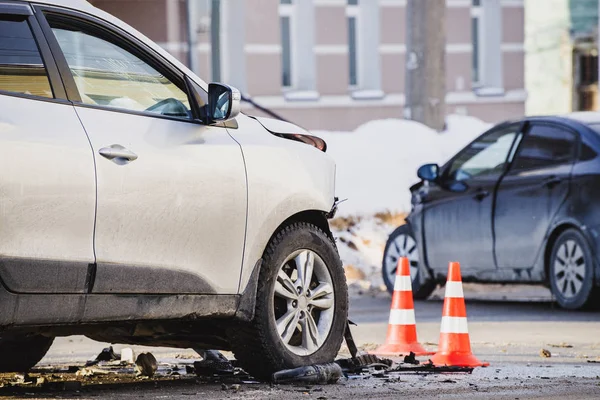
x=458, y=208
x=530, y=194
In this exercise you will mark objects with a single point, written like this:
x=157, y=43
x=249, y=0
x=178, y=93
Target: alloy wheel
x=403, y=246
x=569, y=269
x=303, y=302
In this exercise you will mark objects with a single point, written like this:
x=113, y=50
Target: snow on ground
x=376, y=165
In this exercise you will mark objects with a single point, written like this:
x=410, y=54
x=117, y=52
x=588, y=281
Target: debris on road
x=430, y=368
x=313, y=374
x=213, y=363
x=545, y=353
x=23, y=379
x=562, y=345
x=86, y=372
x=127, y=356
x=146, y=365
x=107, y=354
x=411, y=359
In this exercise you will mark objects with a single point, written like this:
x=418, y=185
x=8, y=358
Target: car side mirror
x=429, y=172
x=223, y=102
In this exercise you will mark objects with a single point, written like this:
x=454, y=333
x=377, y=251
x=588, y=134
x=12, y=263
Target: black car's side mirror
x=223, y=102
x=429, y=172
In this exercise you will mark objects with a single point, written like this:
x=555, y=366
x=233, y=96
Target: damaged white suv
x=137, y=205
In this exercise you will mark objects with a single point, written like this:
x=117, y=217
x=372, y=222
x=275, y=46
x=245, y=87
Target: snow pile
x=378, y=162
x=376, y=165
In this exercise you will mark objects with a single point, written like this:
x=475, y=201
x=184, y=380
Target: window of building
x=285, y=20
x=352, y=12
x=486, y=40
x=21, y=67
x=108, y=75
x=364, y=72
x=298, y=71
x=476, y=60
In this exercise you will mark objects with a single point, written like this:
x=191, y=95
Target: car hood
x=287, y=130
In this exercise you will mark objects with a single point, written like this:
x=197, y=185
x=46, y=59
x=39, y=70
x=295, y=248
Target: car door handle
x=481, y=194
x=552, y=181
x=116, y=152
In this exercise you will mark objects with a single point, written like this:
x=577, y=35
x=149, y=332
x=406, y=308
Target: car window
x=544, y=146
x=485, y=156
x=108, y=75
x=21, y=67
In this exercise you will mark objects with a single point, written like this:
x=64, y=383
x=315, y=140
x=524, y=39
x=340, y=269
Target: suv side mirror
x=223, y=102
x=428, y=172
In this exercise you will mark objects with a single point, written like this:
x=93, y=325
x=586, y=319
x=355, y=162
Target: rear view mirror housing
x=429, y=172
x=223, y=102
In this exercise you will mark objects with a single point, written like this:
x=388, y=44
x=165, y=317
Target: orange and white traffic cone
x=455, y=345
x=402, y=330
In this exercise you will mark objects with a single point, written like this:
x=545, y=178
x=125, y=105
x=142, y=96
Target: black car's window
x=108, y=75
x=544, y=146
x=21, y=67
x=485, y=156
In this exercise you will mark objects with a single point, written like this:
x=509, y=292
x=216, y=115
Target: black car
x=520, y=204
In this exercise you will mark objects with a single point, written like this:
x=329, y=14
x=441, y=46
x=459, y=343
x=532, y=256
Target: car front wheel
x=572, y=271
x=402, y=243
x=301, y=304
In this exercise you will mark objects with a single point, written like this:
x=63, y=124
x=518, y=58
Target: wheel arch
x=314, y=213
x=314, y=217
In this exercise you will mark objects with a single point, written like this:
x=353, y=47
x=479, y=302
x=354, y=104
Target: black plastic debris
x=213, y=364
x=428, y=368
x=364, y=363
x=313, y=374
x=411, y=359
x=107, y=354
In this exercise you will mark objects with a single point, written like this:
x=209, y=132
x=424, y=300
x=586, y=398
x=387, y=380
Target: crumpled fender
x=287, y=130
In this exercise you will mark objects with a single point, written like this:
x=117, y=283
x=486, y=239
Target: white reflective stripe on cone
x=454, y=289
x=402, y=283
x=402, y=317
x=454, y=325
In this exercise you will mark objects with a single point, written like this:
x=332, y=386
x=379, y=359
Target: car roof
x=585, y=117
x=574, y=118
x=86, y=7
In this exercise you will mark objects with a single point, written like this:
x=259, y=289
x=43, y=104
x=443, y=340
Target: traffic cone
x=455, y=345
x=402, y=331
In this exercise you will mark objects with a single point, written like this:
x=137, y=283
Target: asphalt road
x=508, y=334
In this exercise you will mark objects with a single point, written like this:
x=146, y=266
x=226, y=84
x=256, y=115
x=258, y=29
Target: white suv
x=137, y=205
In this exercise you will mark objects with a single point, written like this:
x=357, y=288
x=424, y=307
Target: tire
x=258, y=345
x=571, y=271
x=402, y=243
x=23, y=353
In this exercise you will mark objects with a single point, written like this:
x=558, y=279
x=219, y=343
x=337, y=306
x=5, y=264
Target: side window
x=544, y=146
x=108, y=75
x=485, y=156
x=21, y=67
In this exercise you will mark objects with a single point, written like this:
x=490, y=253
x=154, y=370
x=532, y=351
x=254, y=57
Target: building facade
x=562, y=56
x=335, y=64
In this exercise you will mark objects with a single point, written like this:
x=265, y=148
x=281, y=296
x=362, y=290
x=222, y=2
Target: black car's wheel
x=402, y=243
x=301, y=305
x=572, y=270
x=20, y=354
